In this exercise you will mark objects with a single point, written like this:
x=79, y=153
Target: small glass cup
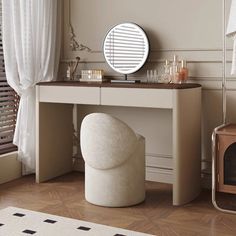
x=152, y=76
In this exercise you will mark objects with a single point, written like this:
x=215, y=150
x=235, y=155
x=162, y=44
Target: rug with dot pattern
x=16, y=221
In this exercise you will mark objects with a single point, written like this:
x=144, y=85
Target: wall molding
x=159, y=155
x=148, y=61
x=178, y=50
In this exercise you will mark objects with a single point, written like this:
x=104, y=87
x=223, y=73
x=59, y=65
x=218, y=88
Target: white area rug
x=16, y=221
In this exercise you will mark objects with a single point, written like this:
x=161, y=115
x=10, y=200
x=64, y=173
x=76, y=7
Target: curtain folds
x=31, y=44
x=231, y=31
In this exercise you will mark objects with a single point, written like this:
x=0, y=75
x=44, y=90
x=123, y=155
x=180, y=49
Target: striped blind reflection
x=125, y=48
x=8, y=104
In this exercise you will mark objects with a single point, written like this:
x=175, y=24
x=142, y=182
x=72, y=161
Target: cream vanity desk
x=54, y=104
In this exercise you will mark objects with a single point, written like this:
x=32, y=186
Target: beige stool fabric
x=114, y=161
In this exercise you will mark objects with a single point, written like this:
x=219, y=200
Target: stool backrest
x=106, y=142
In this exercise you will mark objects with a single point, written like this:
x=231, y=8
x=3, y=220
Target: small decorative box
x=92, y=75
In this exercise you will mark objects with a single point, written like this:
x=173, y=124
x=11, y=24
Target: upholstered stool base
x=118, y=187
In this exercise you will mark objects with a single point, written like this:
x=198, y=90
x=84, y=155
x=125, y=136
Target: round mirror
x=126, y=48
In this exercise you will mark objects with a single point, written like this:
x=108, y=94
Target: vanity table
x=54, y=103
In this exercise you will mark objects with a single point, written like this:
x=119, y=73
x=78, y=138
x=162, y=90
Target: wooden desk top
x=120, y=85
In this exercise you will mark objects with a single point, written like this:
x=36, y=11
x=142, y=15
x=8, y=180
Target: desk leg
x=186, y=145
x=53, y=140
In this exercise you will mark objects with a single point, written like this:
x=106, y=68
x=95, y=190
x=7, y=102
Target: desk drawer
x=69, y=94
x=152, y=98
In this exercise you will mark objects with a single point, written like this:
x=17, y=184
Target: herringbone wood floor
x=64, y=196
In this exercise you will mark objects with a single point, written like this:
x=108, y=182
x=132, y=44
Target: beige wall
x=191, y=29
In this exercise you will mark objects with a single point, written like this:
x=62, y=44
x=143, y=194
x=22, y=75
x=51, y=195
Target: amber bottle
x=183, y=72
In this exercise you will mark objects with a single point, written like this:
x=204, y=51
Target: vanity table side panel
x=186, y=145
x=151, y=98
x=69, y=94
x=53, y=140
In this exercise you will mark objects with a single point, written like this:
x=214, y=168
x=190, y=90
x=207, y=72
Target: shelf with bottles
x=174, y=72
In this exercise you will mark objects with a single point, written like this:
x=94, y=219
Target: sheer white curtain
x=231, y=31
x=31, y=43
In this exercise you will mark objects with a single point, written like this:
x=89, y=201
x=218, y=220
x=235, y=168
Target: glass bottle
x=174, y=71
x=165, y=78
x=183, y=72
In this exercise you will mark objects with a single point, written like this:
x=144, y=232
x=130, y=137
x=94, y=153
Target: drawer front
x=152, y=98
x=67, y=94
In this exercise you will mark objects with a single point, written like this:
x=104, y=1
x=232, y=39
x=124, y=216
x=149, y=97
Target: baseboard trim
x=154, y=173
x=159, y=175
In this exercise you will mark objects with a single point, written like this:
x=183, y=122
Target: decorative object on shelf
x=173, y=72
x=74, y=44
x=126, y=48
x=71, y=69
x=152, y=76
x=183, y=72
x=231, y=31
x=165, y=77
x=92, y=76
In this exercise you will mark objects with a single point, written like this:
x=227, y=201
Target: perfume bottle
x=174, y=70
x=68, y=72
x=165, y=78
x=183, y=72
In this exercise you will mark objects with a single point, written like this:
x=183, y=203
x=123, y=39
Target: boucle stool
x=114, y=161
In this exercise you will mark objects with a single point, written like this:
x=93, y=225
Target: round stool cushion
x=106, y=142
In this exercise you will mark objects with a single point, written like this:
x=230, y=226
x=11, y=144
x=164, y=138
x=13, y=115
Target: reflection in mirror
x=126, y=48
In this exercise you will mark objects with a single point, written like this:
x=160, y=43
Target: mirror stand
x=125, y=80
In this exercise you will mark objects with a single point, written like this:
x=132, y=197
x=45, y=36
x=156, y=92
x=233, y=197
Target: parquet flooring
x=64, y=196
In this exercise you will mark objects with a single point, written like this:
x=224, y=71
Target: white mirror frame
x=126, y=48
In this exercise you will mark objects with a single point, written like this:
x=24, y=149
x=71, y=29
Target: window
x=8, y=104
